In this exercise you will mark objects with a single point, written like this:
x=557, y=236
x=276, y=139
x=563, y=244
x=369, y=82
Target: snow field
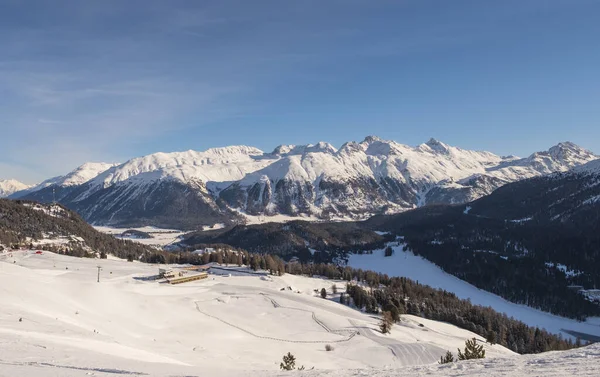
x=221, y=326
x=160, y=237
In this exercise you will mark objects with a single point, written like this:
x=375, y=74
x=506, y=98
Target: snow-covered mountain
x=57, y=187
x=358, y=180
x=10, y=186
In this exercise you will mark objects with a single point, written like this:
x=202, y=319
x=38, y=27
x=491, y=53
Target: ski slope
x=56, y=319
x=406, y=264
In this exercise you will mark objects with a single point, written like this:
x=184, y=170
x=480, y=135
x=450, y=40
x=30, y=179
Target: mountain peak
x=566, y=152
x=438, y=146
x=10, y=186
x=84, y=173
x=283, y=149
x=322, y=146
x=371, y=139
x=566, y=147
x=288, y=150
x=232, y=150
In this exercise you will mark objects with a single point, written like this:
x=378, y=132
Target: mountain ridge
x=360, y=179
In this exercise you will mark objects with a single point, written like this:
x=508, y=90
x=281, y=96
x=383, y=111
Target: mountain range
x=226, y=185
x=532, y=242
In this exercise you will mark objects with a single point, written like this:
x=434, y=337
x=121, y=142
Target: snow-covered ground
x=581, y=362
x=56, y=319
x=160, y=237
x=406, y=264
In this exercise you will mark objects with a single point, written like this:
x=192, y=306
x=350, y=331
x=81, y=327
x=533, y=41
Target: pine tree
x=393, y=309
x=472, y=350
x=289, y=362
x=386, y=323
x=323, y=293
x=448, y=358
x=491, y=337
x=389, y=251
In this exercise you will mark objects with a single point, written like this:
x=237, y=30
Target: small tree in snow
x=393, y=309
x=334, y=289
x=448, y=358
x=323, y=293
x=389, y=251
x=386, y=323
x=289, y=362
x=472, y=350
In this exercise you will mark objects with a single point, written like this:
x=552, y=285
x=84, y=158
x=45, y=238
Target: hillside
x=224, y=326
x=24, y=223
x=192, y=189
x=295, y=238
x=528, y=241
x=407, y=264
x=237, y=323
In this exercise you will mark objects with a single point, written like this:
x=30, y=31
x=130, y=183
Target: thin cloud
x=97, y=80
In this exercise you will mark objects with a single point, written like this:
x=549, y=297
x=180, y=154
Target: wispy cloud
x=100, y=80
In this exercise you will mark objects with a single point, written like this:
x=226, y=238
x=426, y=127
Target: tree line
x=374, y=292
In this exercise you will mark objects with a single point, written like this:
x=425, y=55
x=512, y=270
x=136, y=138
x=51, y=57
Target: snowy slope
x=63, y=183
x=358, y=180
x=405, y=263
x=10, y=186
x=581, y=362
x=76, y=177
x=214, y=165
x=592, y=167
x=72, y=325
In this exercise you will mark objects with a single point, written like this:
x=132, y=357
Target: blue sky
x=110, y=80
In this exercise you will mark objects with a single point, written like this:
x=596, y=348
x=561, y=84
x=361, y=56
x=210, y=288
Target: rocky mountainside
x=10, y=186
x=375, y=176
